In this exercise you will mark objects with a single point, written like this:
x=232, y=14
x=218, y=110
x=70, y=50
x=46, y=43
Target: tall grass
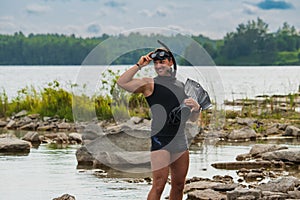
x=54, y=101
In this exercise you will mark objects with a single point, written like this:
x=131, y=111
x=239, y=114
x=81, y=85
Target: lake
x=222, y=82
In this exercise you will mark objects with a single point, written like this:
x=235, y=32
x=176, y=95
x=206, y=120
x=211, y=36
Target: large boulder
x=14, y=145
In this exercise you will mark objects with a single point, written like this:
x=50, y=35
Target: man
x=166, y=98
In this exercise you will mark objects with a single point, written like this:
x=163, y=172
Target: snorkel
x=173, y=74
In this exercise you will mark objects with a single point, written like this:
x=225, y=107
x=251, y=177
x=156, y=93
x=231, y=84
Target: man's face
x=163, y=67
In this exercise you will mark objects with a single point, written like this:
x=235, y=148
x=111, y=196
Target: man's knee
x=179, y=186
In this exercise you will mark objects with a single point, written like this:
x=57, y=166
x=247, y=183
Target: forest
x=251, y=44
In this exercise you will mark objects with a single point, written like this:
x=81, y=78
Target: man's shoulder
x=148, y=79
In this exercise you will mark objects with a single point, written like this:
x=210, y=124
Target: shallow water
x=46, y=173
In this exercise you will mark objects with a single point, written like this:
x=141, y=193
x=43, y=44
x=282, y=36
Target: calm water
x=47, y=173
x=221, y=82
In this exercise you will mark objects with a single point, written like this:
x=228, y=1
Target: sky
x=89, y=18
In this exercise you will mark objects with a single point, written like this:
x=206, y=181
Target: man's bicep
x=135, y=86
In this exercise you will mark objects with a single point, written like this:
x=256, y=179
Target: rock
x=75, y=137
x=3, y=123
x=273, y=130
x=225, y=187
x=21, y=114
x=46, y=127
x=241, y=157
x=32, y=137
x=30, y=126
x=84, y=157
x=240, y=193
x=205, y=195
x=64, y=126
x=200, y=185
x=245, y=164
x=14, y=145
x=61, y=138
x=34, y=116
x=258, y=149
x=118, y=149
x=123, y=159
x=275, y=195
x=246, y=121
x=245, y=133
x=65, y=197
x=283, y=184
x=292, y=131
x=11, y=124
x=285, y=155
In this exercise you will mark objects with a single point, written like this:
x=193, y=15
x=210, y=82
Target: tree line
x=250, y=44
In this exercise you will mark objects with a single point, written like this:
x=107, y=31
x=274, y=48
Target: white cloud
x=37, y=9
x=212, y=18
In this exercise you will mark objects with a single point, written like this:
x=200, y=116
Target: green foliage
x=56, y=101
x=250, y=44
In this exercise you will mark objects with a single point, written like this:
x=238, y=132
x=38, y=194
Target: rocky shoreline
x=264, y=172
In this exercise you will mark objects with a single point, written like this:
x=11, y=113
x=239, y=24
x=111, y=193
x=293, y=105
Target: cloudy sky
x=86, y=18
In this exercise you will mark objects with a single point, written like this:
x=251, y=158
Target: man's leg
x=179, y=168
x=160, y=161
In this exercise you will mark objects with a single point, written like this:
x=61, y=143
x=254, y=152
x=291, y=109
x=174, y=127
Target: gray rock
x=32, y=137
x=65, y=197
x=245, y=133
x=75, y=137
x=11, y=124
x=241, y=192
x=14, y=145
x=21, y=114
x=3, y=123
x=292, y=155
x=205, y=195
x=292, y=131
x=258, y=149
x=283, y=184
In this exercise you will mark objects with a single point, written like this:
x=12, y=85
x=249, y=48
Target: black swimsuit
x=168, y=93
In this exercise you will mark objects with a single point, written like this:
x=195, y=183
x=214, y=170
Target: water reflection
x=47, y=172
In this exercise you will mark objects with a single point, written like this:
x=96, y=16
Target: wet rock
x=240, y=193
x=283, y=185
x=64, y=126
x=243, y=164
x=258, y=149
x=32, y=137
x=3, y=123
x=46, y=127
x=292, y=131
x=273, y=130
x=65, y=197
x=21, y=114
x=31, y=126
x=243, y=134
x=200, y=185
x=14, y=145
x=11, y=124
x=205, y=195
x=285, y=155
x=84, y=157
x=246, y=121
x=76, y=137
